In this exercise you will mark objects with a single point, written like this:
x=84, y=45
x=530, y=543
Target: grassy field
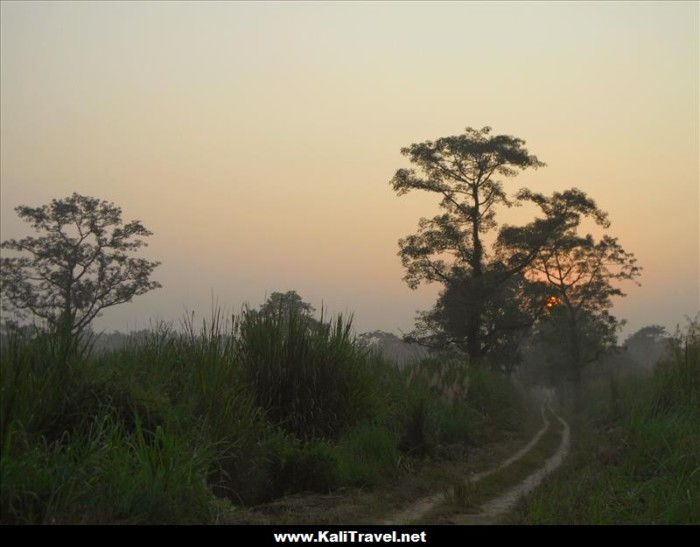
x=635, y=450
x=190, y=427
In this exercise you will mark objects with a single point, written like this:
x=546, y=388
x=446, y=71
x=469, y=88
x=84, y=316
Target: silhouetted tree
x=285, y=305
x=580, y=271
x=505, y=322
x=289, y=301
x=462, y=169
x=79, y=266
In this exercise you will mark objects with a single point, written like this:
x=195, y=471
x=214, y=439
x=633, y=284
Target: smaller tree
x=285, y=305
x=289, y=302
x=548, y=348
x=79, y=266
x=581, y=272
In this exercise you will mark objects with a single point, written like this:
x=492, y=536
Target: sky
x=257, y=140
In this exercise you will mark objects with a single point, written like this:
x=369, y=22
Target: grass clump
x=311, y=379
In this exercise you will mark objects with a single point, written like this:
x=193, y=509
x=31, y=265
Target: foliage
x=368, y=454
x=158, y=430
x=288, y=302
x=462, y=169
x=78, y=267
x=549, y=346
x=636, y=450
x=106, y=474
x=580, y=272
x=313, y=382
x=648, y=345
x=513, y=309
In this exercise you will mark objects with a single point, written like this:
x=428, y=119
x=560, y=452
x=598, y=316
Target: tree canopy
x=648, y=344
x=289, y=301
x=492, y=296
x=79, y=265
x=466, y=171
x=581, y=273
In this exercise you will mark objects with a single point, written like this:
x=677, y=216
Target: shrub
x=497, y=399
x=455, y=423
x=312, y=380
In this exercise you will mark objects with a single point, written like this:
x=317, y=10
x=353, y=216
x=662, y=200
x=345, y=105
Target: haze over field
x=257, y=140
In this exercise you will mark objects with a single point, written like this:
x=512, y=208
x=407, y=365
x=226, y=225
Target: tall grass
x=106, y=474
x=247, y=407
x=312, y=380
x=636, y=450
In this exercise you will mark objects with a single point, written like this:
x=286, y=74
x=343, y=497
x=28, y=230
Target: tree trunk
x=474, y=348
x=575, y=358
x=473, y=340
x=65, y=325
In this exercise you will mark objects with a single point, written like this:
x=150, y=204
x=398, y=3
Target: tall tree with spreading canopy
x=464, y=171
x=77, y=267
x=581, y=272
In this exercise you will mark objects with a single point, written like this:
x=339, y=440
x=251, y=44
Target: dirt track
x=498, y=506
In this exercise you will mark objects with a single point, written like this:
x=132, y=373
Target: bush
x=455, y=423
x=418, y=436
x=312, y=380
x=499, y=402
x=676, y=380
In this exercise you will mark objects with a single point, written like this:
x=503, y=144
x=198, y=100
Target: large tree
x=465, y=171
x=581, y=272
x=79, y=265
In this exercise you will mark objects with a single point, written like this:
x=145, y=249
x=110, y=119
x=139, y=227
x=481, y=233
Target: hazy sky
x=257, y=140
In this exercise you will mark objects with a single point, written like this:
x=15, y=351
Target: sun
x=553, y=301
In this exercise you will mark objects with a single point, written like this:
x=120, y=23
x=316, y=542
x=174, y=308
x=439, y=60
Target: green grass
x=635, y=451
x=314, y=382
x=244, y=409
x=106, y=474
x=368, y=454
